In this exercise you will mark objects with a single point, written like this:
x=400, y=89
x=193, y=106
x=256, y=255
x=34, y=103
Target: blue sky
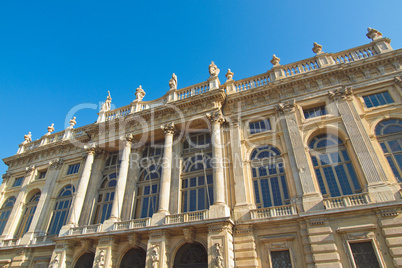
x=55, y=55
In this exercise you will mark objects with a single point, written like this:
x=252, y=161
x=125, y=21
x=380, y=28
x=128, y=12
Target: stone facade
x=297, y=167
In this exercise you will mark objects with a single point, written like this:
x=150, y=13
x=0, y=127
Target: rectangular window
x=314, y=112
x=18, y=182
x=72, y=169
x=260, y=126
x=281, y=259
x=364, y=255
x=41, y=175
x=378, y=99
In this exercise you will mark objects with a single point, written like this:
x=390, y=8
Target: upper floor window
x=18, y=181
x=378, y=99
x=333, y=167
x=28, y=215
x=200, y=141
x=260, y=126
x=41, y=175
x=112, y=162
x=389, y=135
x=269, y=179
x=5, y=212
x=105, y=198
x=72, y=169
x=314, y=112
x=61, y=209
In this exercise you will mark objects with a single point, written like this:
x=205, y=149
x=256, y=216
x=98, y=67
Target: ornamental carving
x=155, y=257
x=275, y=60
x=56, y=164
x=55, y=262
x=169, y=128
x=173, y=82
x=213, y=70
x=28, y=137
x=73, y=122
x=129, y=139
x=286, y=107
x=134, y=239
x=217, y=256
x=317, y=49
x=30, y=169
x=189, y=234
x=50, y=129
x=229, y=75
x=86, y=244
x=343, y=93
x=373, y=34
x=216, y=117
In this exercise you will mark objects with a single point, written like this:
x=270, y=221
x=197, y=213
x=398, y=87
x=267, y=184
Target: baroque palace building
x=300, y=166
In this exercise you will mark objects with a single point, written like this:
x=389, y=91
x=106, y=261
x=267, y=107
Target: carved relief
x=169, y=128
x=56, y=164
x=217, y=259
x=286, y=107
x=29, y=169
x=154, y=256
x=344, y=93
x=189, y=234
x=134, y=239
x=216, y=117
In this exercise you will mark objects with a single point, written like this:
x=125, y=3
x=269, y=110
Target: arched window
x=333, y=167
x=86, y=260
x=149, y=181
x=27, y=217
x=60, y=212
x=196, y=178
x=5, y=212
x=105, y=198
x=269, y=179
x=389, y=135
x=191, y=255
x=135, y=257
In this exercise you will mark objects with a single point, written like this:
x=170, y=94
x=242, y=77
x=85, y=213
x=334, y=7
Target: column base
x=109, y=223
x=158, y=218
x=312, y=202
x=382, y=192
x=219, y=210
x=242, y=212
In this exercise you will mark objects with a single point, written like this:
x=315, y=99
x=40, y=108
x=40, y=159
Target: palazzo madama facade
x=300, y=166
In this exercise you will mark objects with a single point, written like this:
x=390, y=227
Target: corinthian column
x=78, y=200
x=219, y=208
x=122, y=180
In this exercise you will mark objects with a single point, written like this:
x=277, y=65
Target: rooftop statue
x=139, y=93
x=50, y=129
x=213, y=70
x=173, y=82
x=28, y=137
x=106, y=105
x=72, y=122
x=373, y=34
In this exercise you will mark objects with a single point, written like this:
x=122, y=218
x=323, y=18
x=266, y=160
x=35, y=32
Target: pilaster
x=220, y=245
x=158, y=249
x=106, y=252
x=62, y=256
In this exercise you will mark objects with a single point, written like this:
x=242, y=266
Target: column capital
x=343, y=93
x=216, y=117
x=286, y=107
x=128, y=139
x=56, y=164
x=169, y=128
x=91, y=150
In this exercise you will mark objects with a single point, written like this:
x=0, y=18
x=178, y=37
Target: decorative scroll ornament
x=50, y=129
x=286, y=107
x=28, y=137
x=343, y=93
x=213, y=70
x=106, y=105
x=218, y=258
x=73, y=122
x=139, y=93
x=173, y=82
x=275, y=60
x=155, y=257
x=30, y=169
x=317, y=49
x=216, y=117
x=373, y=34
x=169, y=128
x=229, y=75
x=56, y=164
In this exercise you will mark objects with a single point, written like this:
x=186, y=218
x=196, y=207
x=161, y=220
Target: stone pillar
x=242, y=194
x=219, y=208
x=305, y=187
x=106, y=252
x=164, y=193
x=370, y=164
x=62, y=255
x=158, y=249
x=78, y=201
x=220, y=245
x=122, y=180
x=16, y=212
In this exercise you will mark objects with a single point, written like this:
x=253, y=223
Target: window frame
x=61, y=198
x=28, y=215
x=375, y=94
x=253, y=131
x=3, y=211
x=280, y=243
x=18, y=182
x=41, y=174
x=306, y=109
x=105, y=192
x=75, y=169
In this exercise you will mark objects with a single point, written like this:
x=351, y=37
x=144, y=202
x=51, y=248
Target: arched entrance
x=134, y=258
x=85, y=261
x=191, y=255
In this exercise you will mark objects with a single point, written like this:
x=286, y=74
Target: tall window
x=105, y=198
x=149, y=181
x=389, y=135
x=269, y=179
x=281, y=259
x=333, y=167
x=5, y=212
x=196, y=178
x=27, y=217
x=61, y=209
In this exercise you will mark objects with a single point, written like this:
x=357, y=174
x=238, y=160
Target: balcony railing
x=89, y=229
x=187, y=217
x=271, y=212
x=11, y=242
x=132, y=224
x=346, y=201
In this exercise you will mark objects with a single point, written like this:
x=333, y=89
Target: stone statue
x=213, y=70
x=72, y=122
x=139, y=93
x=373, y=34
x=229, y=75
x=317, y=48
x=154, y=257
x=275, y=60
x=55, y=262
x=173, y=82
x=50, y=129
x=28, y=137
x=106, y=105
x=217, y=259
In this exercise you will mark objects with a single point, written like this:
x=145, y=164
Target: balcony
x=88, y=229
x=273, y=212
x=346, y=201
x=131, y=224
x=187, y=217
x=10, y=242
